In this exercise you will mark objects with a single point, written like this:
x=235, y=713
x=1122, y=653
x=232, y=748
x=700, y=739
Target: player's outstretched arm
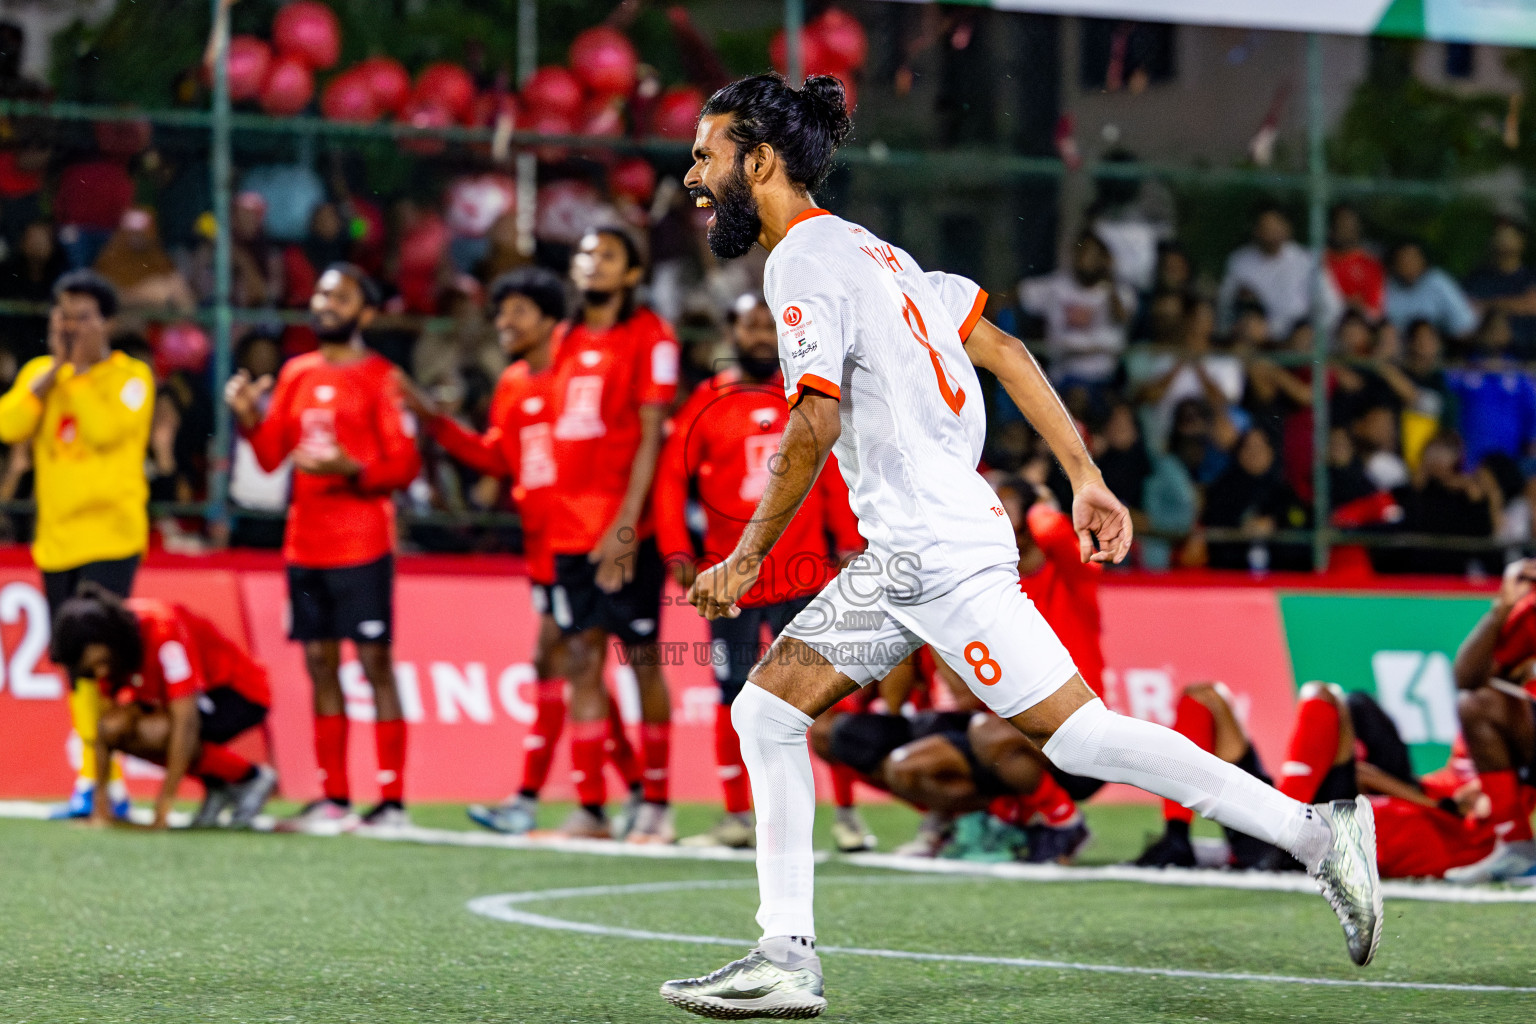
x=813, y=429
x=1474, y=663
x=1096, y=513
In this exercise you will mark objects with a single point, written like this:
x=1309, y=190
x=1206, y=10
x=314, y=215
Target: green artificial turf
x=115, y=926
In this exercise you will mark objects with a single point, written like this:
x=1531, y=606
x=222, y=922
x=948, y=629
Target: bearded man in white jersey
x=878, y=366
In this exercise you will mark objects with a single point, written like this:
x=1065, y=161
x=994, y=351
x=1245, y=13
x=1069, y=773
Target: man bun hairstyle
x=804, y=126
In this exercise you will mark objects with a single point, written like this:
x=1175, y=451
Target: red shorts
x=1421, y=842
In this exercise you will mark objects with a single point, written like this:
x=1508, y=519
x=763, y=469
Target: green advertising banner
x=1500, y=22
x=1399, y=649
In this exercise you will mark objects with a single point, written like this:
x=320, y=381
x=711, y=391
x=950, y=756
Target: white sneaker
x=734, y=832
x=320, y=818
x=653, y=826
x=1509, y=862
x=1347, y=876
x=932, y=833
x=849, y=833
x=386, y=817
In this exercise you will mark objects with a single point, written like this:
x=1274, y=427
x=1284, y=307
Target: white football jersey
x=860, y=321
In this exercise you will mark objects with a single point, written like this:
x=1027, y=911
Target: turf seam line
x=503, y=907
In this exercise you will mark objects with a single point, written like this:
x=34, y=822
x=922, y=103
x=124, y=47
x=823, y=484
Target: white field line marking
x=1251, y=881
x=503, y=907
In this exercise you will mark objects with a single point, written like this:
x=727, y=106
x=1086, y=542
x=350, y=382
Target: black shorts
x=116, y=576
x=863, y=740
x=355, y=602
x=225, y=713
x=737, y=644
x=986, y=781
x=1078, y=787
x=631, y=614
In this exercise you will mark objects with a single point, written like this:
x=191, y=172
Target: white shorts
x=985, y=629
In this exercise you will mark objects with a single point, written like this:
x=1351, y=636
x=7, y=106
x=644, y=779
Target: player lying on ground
x=1343, y=745
x=721, y=448
x=878, y=359
x=180, y=691
x=337, y=413
x=1498, y=723
x=526, y=306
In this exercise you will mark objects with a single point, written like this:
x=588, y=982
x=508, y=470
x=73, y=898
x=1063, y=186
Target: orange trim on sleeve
x=974, y=316
x=814, y=211
x=815, y=383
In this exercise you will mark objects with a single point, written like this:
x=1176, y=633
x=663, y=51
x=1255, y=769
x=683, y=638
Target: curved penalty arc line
x=506, y=907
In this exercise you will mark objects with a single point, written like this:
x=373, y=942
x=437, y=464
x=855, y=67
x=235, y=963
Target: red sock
x=733, y=771
x=331, y=755
x=620, y=751
x=587, y=742
x=1309, y=754
x=843, y=779
x=1192, y=720
x=389, y=739
x=539, y=744
x=656, y=745
x=1051, y=802
x=1508, y=816
x=216, y=762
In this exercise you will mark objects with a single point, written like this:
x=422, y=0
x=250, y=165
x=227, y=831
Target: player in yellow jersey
x=86, y=411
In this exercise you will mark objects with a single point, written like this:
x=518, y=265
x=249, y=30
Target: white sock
x=1100, y=744
x=778, y=761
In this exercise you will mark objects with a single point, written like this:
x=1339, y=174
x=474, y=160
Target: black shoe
x=1168, y=852
x=1249, y=853
x=1049, y=845
x=1277, y=859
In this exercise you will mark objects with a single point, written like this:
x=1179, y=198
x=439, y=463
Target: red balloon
x=349, y=97
x=421, y=112
x=551, y=122
x=309, y=31
x=250, y=60
x=552, y=90
x=605, y=61
x=814, y=58
x=603, y=118
x=389, y=82
x=842, y=37
x=677, y=112
x=633, y=178
x=289, y=87
x=123, y=138
x=449, y=86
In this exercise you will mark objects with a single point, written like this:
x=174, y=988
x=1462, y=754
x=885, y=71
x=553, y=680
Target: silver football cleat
x=218, y=798
x=250, y=796
x=1348, y=877
x=753, y=986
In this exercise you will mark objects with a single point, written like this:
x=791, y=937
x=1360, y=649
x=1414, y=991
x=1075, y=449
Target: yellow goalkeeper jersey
x=89, y=435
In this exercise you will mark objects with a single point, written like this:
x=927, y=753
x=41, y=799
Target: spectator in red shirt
x=723, y=442
x=181, y=690
x=615, y=378
x=1357, y=272
x=338, y=412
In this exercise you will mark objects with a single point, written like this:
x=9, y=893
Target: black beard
x=341, y=332
x=595, y=298
x=757, y=368
x=737, y=223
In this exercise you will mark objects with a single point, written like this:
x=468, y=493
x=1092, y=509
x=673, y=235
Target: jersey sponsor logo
x=317, y=427
x=536, y=449
x=325, y=392
x=68, y=430
x=664, y=362
x=134, y=392
x=758, y=457
x=175, y=666
x=792, y=316
x=582, y=417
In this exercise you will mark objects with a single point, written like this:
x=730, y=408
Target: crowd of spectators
x=1197, y=396
x=1194, y=384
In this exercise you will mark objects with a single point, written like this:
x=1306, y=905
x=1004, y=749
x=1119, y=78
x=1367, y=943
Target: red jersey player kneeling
x=181, y=690
x=337, y=412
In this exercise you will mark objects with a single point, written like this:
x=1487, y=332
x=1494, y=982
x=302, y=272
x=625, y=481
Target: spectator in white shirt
x=1086, y=315
x=1278, y=274
x=1195, y=369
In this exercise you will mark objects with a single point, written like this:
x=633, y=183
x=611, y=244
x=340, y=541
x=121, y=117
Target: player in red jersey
x=338, y=414
x=615, y=376
x=723, y=443
x=1498, y=722
x=180, y=691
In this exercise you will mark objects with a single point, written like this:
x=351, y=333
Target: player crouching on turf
x=880, y=360
x=180, y=692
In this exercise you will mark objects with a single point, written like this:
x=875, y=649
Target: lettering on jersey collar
x=884, y=255
x=797, y=334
